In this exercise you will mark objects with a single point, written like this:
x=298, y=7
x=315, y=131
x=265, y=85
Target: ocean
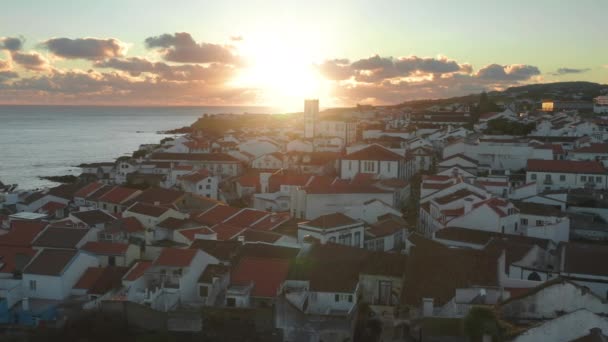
x=52, y=140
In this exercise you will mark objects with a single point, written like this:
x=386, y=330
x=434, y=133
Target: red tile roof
x=555, y=148
x=266, y=274
x=191, y=233
x=148, y=210
x=566, y=166
x=216, y=214
x=137, y=270
x=453, y=212
x=373, y=152
x=435, y=178
x=196, y=176
x=246, y=217
x=226, y=232
x=105, y=248
x=9, y=256
x=249, y=181
x=51, y=207
x=118, y=195
x=455, y=196
x=22, y=233
x=160, y=196
x=88, y=189
x=386, y=227
x=50, y=261
x=492, y=183
x=175, y=257
x=183, y=167
x=132, y=225
x=496, y=204
x=271, y=221
x=100, y=280
x=331, y=221
x=251, y=235
x=88, y=279
x=593, y=148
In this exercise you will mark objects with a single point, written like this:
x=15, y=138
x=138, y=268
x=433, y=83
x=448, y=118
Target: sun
x=284, y=73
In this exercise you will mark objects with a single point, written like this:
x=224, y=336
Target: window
x=515, y=226
x=583, y=178
x=547, y=177
x=32, y=285
x=598, y=179
x=533, y=176
x=203, y=291
x=332, y=239
x=539, y=222
x=208, y=180
x=350, y=298
x=502, y=229
x=388, y=166
x=357, y=239
x=337, y=298
x=208, y=187
x=230, y=302
x=562, y=178
x=369, y=166
x=200, y=187
x=350, y=165
x=534, y=276
x=384, y=292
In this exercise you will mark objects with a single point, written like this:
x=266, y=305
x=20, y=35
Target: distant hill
x=585, y=91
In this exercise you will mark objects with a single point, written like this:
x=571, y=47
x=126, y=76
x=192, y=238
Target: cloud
x=565, y=71
x=513, y=72
x=5, y=65
x=135, y=66
x=30, y=60
x=11, y=43
x=336, y=69
x=181, y=47
x=93, y=87
x=86, y=48
x=377, y=68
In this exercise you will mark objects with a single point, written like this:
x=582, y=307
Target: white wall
x=315, y=205
x=565, y=328
x=383, y=168
x=543, y=304
x=59, y=287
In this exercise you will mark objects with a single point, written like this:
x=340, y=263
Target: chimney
x=427, y=307
x=157, y=203
x=468, y=205
x=25, y=304
x=241, y=239
x=595, y=331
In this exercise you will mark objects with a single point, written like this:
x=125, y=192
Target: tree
x=485, y=105
x=482, y=321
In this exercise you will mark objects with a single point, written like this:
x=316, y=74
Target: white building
x=200, y=182
x=600, y=105
x=311, y=111
x=335, y=228
x=52, y=273
x=566, y=174
x=374, y=159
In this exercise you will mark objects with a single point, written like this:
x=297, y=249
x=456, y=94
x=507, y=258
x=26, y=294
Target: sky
x=276, y=53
